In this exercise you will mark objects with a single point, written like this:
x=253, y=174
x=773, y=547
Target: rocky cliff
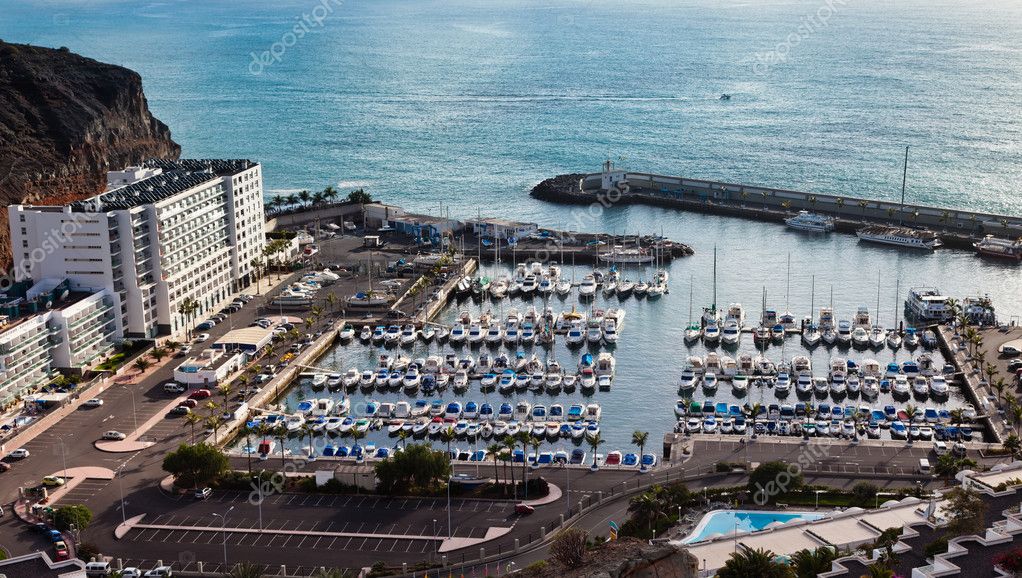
x=64, y=121
x=626, y=558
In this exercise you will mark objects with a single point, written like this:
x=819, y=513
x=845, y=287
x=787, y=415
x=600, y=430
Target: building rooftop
x=177, y=176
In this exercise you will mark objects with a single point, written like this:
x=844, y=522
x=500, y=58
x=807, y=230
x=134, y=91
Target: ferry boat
x=812, y=222
x=992, y=246
x=620, y=255
x=899, y=236
x=927, y=304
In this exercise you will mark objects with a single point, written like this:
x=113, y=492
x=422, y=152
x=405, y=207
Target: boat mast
x=787, y=287
x=904, y=178
x=812, y=299
x=691, y=289
x=897, y=289
x=713, y=305
x=877, y=320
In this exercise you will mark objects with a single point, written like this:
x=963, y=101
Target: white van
x=98, y=569
x=924, y=466
x=172, y=387
x=940, y=448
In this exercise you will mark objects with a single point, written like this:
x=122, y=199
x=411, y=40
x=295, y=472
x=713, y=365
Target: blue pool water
x=727, y=521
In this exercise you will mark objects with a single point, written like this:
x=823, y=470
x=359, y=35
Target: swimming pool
x=724, y=522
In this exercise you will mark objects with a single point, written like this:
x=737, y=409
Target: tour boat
x=991, y=246
x=811, y=222
x=899, y=236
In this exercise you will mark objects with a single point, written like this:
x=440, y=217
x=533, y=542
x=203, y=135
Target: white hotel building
x=162, y=233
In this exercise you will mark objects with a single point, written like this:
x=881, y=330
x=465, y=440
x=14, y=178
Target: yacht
x=899, y=236
x=938, y=385
x=911, y=338
x=844, y=332
x=811, y=335
x=587, y=288
x=894, y=339
x=927, y=305
x=457, y=334
x=689, y=379
x=475, y=333
x=1001, y=248
x=731, y=333
x=870, y=386
x=877, y=336
x=812, y=222
x=860, y=337
x=711, y=333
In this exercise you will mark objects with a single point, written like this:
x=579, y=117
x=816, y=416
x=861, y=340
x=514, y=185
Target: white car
x=114, y=435
x=94, y=402
x=201, y=337
x=159, y=572
x=19, y=454
x=131, y=572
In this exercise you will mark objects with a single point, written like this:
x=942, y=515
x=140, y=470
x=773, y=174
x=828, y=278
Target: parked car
x=174, y=387
x=4, y=467
x=205, y=325
x=131, y=572
x=1010, y=350
x=201, y=337
x=218, y=318
x=184, y=351
x=181, y=410
x=246, y=298
x=61, y=551
x=203, y=493
x=159, y=572
x=19, y=454
x=53, y=481
x=114, y=435
x=200, y=394
x=263, y=378
x=94, y=402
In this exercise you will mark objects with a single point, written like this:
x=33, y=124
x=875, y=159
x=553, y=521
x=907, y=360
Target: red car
x=61, y=550
x=190, y=403
x=524, y=509
x=200, y=394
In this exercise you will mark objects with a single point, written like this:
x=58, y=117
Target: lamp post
x=435, y=546
x=818, y=492
x=120, y=485
x=877, y=500
x=223, y=518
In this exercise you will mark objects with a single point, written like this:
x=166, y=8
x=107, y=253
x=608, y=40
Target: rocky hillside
x=64, y=120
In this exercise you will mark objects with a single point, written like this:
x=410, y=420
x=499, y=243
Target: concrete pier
x=957, y=228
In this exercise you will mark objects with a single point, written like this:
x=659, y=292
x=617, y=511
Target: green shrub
x=938, y=546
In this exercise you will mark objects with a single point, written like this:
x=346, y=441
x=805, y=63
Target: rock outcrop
x=64, y=121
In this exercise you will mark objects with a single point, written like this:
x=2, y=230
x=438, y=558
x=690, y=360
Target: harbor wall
x=957, y=227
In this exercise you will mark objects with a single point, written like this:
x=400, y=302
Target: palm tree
x=292, y=200
x=141, y=364
x=862, y=205
x=331, y=300
x=330, y=193
x=280, y=434
x=809, y=563
x=758, y=562
x=511, y=444
x=1000, y=386
x=306, y=430
x=595, y=442
x=447, y=436
x=957, y=415
x=639, y=438
x=756, y=408
x=911, y=411
x=192, y=419
x=1012, y=444
x=158, y=353
x=225, y=389
x=304, y=196
x=494, y=449
x=991, y=371
x=257, y=264
x=786, y=204
x=215, y=422
x=247, y=432
x=187, y=309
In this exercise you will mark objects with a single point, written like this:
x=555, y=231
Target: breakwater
x=957, y=228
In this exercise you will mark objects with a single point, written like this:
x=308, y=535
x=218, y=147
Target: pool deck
x=846, y=529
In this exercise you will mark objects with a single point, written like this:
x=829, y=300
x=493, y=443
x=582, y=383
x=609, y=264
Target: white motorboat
x=351, y=378
x=877, y=337
x=740, y=383
x=408, y=335
x=709, y=381
x=821, y=385
x=811, y=222
x=457, y=334
x=870, y=386
x=563, y=288
x=494, y=334
x=731, y=333
x=783, y=383
x=938, y=385
x=711, y=333
x=900, y=384
x=844, y=332
x=576, y=333
x=894, y=339
x=860, y=337
x=689, y=379
x=475, y=333
x=920, y=386
x=587, y=288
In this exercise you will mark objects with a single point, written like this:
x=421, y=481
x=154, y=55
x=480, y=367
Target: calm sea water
x=465, y=105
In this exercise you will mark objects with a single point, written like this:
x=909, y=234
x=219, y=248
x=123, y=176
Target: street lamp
x=223, y=518
x=435, y=545
x=818, y=492
x=878, y=494
x=120, y=485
